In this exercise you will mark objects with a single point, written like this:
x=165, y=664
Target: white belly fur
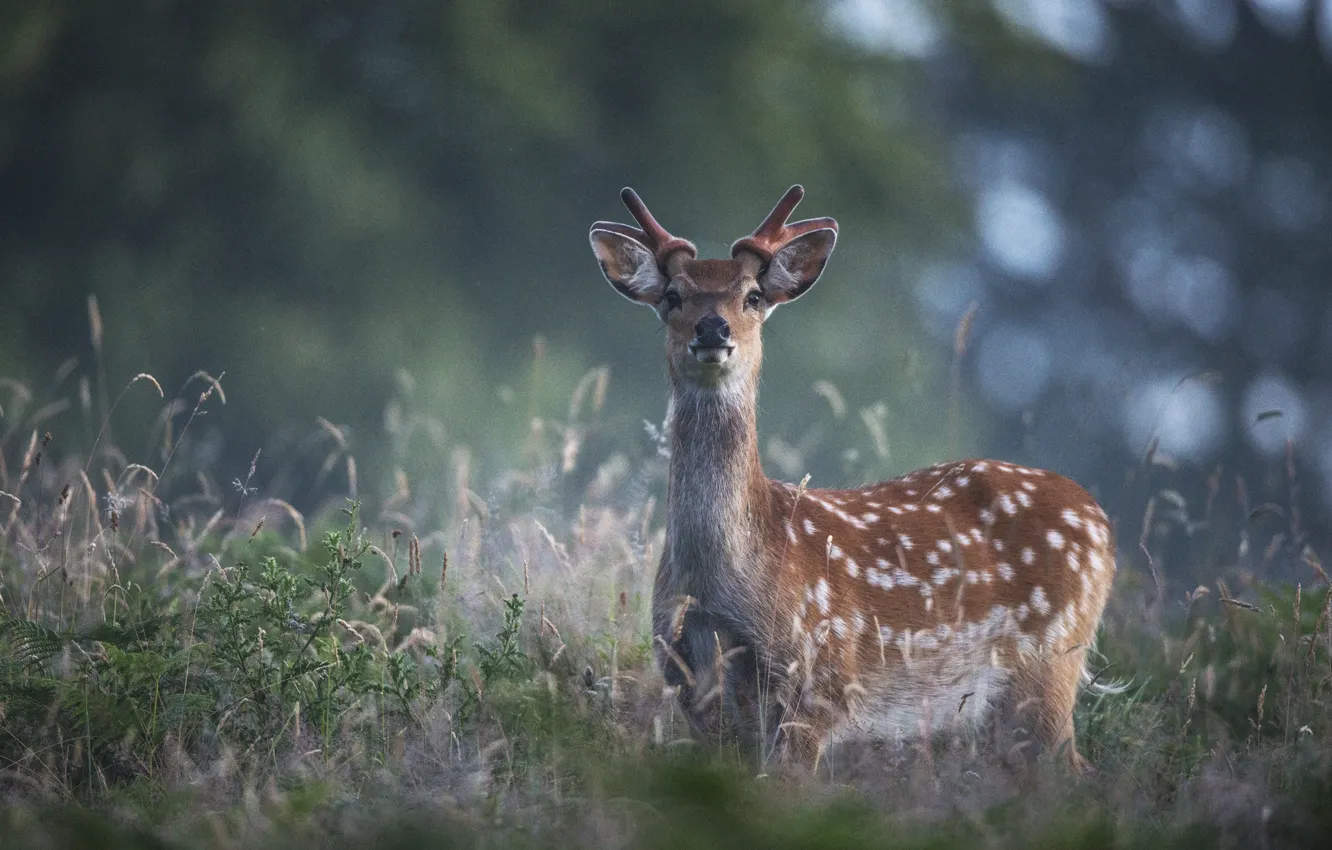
x=922, y=704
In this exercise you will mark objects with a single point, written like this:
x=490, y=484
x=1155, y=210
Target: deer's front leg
x=716, y=677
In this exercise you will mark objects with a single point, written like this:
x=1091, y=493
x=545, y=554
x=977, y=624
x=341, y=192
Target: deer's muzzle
x=711, y=342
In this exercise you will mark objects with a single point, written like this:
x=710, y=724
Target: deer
x=951, y=597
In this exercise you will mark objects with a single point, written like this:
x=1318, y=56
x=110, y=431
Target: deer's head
x=714, y=309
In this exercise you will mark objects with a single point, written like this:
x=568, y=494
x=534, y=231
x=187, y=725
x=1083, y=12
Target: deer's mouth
x=711, y=353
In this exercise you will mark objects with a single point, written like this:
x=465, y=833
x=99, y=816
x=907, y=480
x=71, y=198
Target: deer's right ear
x=629, y=266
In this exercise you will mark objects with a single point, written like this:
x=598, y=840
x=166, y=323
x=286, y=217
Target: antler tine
x=772, y=225
x=773, y=234
x=654, y=231
x=654, y=236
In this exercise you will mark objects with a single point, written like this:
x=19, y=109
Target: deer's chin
x=709, y=367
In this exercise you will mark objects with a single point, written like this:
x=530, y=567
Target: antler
x=653, y=236
x=774, y=233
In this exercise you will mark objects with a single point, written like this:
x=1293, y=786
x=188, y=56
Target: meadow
x=456, y=653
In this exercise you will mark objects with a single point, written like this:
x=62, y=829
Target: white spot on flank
x=1028, y=556
x=1100, y=535
x=881, y=579
x=885, y=634
x=980, y=467
x=1028, y=486
x=895, y=510
x=911, y=492
x=790, y=531
x=1005, y=572
x=821, y=595
x=943, y=493
x=944, y=546
x=932, y=558
x=942, y=575
x=854, y=522
x=905, y=541
x=964, y=481
x=834, y=551
x=1072, y=518
x=852, y=568
x=998, y=545
x=1055, y=539
x=1022, y=612
x=972, y=577
x=1006, y=503
x=809, y=526
x=1073, y=563
x=1023, y=499
x=870, y=518
x=977, y=536
x=1039, y=602
x=934, y=509
x=839, y=627
x=987, y=516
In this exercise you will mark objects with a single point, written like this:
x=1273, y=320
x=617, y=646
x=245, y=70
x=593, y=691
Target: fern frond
x=31, y=643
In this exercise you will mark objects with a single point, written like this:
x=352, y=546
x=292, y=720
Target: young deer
x=949, y=596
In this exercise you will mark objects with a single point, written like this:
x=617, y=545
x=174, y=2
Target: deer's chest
x=705, y=577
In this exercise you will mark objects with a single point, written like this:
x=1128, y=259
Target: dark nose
x=711, y=332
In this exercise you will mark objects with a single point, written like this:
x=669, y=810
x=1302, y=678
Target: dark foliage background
x=353, y=207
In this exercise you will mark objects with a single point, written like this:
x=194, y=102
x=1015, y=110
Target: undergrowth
x=470, y=664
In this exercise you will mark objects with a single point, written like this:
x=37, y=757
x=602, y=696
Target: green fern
x=30, y=643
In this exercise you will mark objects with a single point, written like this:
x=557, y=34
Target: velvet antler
x=774, y=233
x=653, y=236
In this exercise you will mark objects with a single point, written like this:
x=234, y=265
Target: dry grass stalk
x=1147, y=519
x=961, y=339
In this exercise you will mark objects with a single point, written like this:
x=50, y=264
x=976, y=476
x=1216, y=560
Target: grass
x=470, y=665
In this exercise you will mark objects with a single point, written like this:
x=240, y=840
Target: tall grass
x=469, y=662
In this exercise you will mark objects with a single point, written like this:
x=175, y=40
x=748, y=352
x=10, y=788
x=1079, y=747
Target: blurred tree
x=312, y=195
x=315, y=195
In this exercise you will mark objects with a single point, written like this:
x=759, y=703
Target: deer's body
x=939, y=599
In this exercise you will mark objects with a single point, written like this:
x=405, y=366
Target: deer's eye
x=754, y=300
x=671, y=299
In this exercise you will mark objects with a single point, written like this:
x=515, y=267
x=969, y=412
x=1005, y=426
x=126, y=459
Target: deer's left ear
x=793, y=269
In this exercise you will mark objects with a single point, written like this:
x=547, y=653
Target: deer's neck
x=717, y=500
